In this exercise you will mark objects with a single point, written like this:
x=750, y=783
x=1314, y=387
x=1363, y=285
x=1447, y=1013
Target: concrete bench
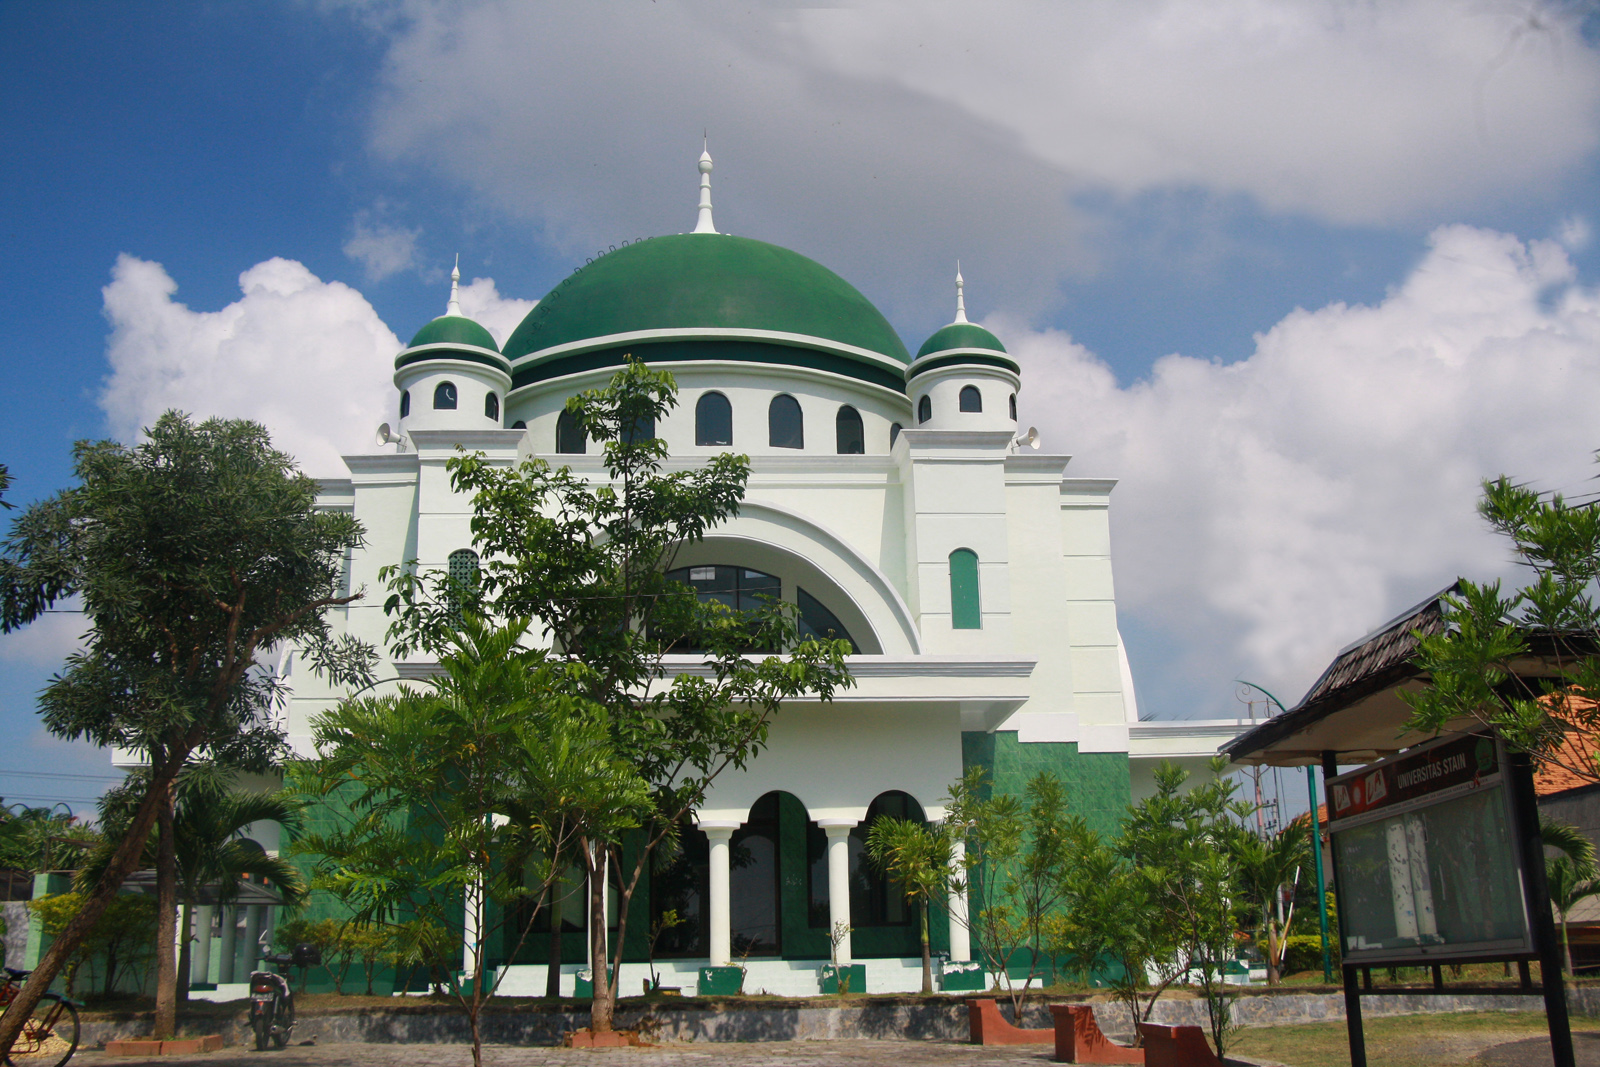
x=1079, y=1038
x=989, y=1027
x=1176, y=1046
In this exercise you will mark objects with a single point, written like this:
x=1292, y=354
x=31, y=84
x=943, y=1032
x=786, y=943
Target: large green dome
x=706, y=296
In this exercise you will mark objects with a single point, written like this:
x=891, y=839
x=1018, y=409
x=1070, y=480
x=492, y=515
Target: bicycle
x=49, y=1037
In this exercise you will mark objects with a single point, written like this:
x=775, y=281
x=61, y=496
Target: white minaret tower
x=702, y=223
x=962, y=378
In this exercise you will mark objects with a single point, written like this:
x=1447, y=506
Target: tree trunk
x=166, y=1022
x=1566, y=944
x=552, y=979
x=66, y=943
x=185, y=951
x=927, y=961
x=600, y=1009
x=1272, y=953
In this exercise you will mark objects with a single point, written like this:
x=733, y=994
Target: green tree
x=193, y=552
x=917, y=857
x=457, y=790
x=1472, y=664
x=1184, y=844
x=1573, y=875
x=1265, y=868
x=1013, y=868
x=588, y=558
x=122, y=939
x=210, y=815
x=1112, y=924
x=43, y=839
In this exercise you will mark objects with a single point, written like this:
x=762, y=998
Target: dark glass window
x=894, y=433
x=847, y=427
x=570, y=438
x=875, y=900
x=444, y=396
x=680, y=881
x=924, y=410
x=738, y=587
x=405, y=403
x=1013, y=407
x=491, y=407
x=753, y=886
x=785, y=428
x=971, y=399
x=519, y=425
x=643, y=430
x=713, y=420
x=817, y=621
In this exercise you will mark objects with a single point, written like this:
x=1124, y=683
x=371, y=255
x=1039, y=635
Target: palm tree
x=1265, y=867
x=918, y=857
x=209, y=820
x=1572, y=876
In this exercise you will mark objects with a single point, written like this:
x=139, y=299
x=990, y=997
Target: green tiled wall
x=1097, y=782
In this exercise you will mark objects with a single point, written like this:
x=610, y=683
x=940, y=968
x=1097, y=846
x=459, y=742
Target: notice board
x=1426, y=865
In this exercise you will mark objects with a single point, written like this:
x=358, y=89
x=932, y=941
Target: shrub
x=1303, y=952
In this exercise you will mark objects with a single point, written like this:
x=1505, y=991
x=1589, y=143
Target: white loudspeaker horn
x=385, y=435
x=1031, y=438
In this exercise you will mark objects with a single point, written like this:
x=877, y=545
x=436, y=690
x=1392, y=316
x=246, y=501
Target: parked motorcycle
x=272, y=998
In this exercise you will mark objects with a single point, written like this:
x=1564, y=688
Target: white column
x=960, y=936
x=230, y=944
x=250, y=951
x=839, y=884
x=720, y=932
x=200, y=955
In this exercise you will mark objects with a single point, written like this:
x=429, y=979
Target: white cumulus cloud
x=500, y=315
x=309, y=359
x=888, y=138
x=381, y=249
x=1271, y=510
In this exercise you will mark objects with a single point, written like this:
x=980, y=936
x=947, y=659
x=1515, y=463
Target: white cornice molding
x=1034, y=469
x=378, y=466
x=709, y=333
x=471, y=440
x=861, y=667
x=1085, y=488
x=599, y=376
x=460, y=366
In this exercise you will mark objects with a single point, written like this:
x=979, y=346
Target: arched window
x=713, y=420
x=847, y=428
x=643, y=430
x=463, y=580
x=570, y=438
x=519, y=425
x=966, y=611
x=924, y=410
x=894, y=433
x=405, y=403
x=444, y=396
x=817, y=621
x=1013, y=407
x=491, y=407
x=785, y=428
x=971, y=399
x=875, y=900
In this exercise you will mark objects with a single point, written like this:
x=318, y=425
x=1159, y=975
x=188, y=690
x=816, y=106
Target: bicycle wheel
x=49, y=1037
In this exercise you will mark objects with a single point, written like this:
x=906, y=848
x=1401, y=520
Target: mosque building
x=893, y=498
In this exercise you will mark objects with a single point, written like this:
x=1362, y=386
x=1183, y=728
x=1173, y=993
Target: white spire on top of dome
x=702, y=224
x=961, y=299
x=454, y=307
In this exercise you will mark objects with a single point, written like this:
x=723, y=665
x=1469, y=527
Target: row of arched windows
x=445, y=398
x=969, y=399
x=713, y=426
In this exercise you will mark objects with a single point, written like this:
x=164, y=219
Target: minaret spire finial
x=454, y=307
x=961, y=299
x=702, y=223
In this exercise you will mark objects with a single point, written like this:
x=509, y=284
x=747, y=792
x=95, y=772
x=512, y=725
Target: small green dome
x=960, y=335
x=454, y=330
x=716, y=286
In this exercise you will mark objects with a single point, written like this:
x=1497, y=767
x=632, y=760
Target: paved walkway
x=766, y=1054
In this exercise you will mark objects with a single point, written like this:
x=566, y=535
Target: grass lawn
x=1397, y=1041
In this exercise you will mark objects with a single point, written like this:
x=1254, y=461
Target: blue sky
x=1297, y=273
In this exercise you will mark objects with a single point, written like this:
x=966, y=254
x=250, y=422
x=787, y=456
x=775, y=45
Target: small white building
x=893, y=497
